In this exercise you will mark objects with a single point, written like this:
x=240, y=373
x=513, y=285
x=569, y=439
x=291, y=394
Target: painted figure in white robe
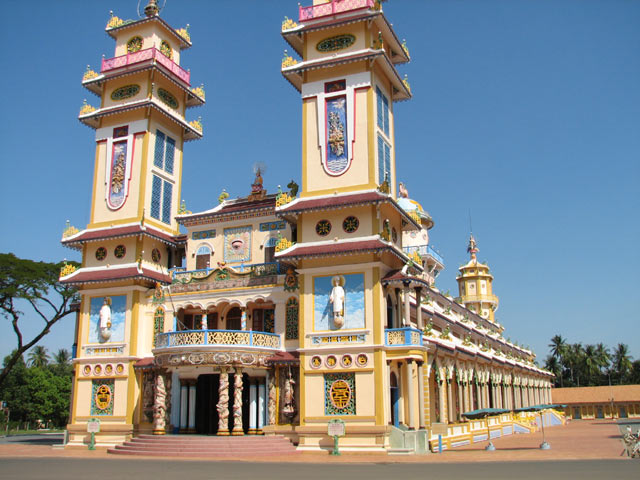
x=337, y=301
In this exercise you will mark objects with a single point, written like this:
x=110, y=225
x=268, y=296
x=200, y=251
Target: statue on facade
x=271, y=407
x=237, y=403
x=223, y=404
x=159, y=406
x=402, y=191
x=167, y=413
x=148, y=397
x=337, y=301
x=104, y=326
x=289, y=407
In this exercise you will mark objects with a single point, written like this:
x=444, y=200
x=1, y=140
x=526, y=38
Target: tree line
x=38, y=390
x=578, y=365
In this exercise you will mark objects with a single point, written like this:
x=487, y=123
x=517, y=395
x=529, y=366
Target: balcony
x=425, y=250
x=241, y=276
x=402, y=337
x=256, y=270
x=218, y=338
x=334, y=6
x=149, y=54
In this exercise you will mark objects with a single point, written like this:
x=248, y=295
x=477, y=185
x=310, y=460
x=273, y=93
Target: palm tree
x=621, y=361
x=591, y=363
x=604, y=358
x=62, y=357
x=558, y=348
x=38, y=357
x=552, y=364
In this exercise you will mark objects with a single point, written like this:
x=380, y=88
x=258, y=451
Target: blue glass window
x=161, y=193
x=384, y=160
x=383, y=111
x=164, y=152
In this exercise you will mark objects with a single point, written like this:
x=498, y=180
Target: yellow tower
x=475, y=285
x=130, y=241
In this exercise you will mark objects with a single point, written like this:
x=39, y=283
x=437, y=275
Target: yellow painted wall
x=357, y=29
x=152, y=35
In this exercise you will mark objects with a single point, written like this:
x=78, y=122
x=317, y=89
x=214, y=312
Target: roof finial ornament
x=152, y=9
x=473, y=247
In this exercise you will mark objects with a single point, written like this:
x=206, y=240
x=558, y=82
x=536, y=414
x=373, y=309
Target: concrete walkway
x=579, y=440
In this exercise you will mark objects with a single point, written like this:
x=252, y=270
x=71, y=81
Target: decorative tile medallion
x=346, y=361
x=86, y=370
x=125, y=92
x=156, y=255
x=269, y=321
x=97, y=370
x=338, y=42
x=120, y=251
x=103, y=392
x=331, y=361
x=316, y=362
x=101, y=253
x=362, y=360
x=350, y=224
x=339, y=394
x=134, y=45
x=119, y=369
x=108, y=369
x=167, y=98
x=323, y=228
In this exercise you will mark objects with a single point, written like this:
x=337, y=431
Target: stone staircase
x=205, y=446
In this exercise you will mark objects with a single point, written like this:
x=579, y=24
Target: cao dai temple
x=274, y=313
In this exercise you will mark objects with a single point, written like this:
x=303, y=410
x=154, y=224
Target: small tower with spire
x=475, y=285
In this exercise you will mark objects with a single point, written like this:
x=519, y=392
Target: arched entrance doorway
x=207, y=400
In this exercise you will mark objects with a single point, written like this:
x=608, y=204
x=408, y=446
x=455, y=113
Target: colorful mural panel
x=102, y=395
x=237, y=244
x=107, y=319
x=339, y=394
x=354, y=312
x=337, y=158
x=118, y=174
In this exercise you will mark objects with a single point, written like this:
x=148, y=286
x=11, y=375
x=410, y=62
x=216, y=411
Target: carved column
x=223, y=403
x=159, y=406
x=253, y=408
x=237, y=403
x=451, y=411
x=407, y=306
x=460, y=388
x=167, y=386
x=419, y=321
x=261, y=403
x=422, y=418
x=271, y=403
x=411, y=420
x=184, y=405
x=192, y=406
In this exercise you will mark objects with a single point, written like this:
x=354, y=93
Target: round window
x=134, y=45
x=323, y=227
x=101, y=253
x=120, y=251
x=165, y=49
x=350, y=224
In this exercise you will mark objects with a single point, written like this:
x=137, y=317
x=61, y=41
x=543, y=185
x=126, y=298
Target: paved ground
x=583, y=449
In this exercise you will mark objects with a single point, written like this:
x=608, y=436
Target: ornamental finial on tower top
x=151, y=10
x=473, y=247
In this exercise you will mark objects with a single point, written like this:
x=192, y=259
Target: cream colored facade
x=275, y=313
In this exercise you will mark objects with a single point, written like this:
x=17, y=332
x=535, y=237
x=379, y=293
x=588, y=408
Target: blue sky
x=527, y=113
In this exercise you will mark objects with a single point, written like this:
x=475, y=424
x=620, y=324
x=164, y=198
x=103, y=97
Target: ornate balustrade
x=403, y=336
x=333, y=7
x=424, y=250
x=145, y=55
x=238, y=338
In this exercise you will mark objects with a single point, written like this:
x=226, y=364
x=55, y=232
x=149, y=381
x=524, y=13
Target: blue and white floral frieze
x=354, y=311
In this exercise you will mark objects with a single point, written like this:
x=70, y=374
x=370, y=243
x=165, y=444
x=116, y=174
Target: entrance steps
x=205, y=446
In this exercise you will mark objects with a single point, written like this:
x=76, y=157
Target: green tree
x=62, y=363
x=558, y=348
x=36, y=285
x=38, y=357
x=553, y=365
x=621, y=362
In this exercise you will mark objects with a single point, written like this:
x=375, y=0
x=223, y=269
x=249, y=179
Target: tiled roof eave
x=76, y=241
x=184, y=43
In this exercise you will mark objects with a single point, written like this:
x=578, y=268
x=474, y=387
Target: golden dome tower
x=475, y=285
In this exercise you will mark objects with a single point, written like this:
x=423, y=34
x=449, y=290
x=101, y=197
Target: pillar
x=262, y=401
x=192, y=406
x=410, y=393
x=419, y=321
x=159, y=405
x=253, y=408
x=271, y=401
x=184, y=406
x=398, y=309
x=406, y=321
x=460, y=387
x=450, y=414
x=422, y=417
x=237, y=403
x=444, y=418
x=223, y=403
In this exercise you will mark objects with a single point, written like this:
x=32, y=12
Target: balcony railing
x=142, y=56
x=333, y=7
x=255, y=270
x=403, y=336
x=238, y=338
x=424, y=250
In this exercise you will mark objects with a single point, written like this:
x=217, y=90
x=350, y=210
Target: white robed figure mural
x=337, y=301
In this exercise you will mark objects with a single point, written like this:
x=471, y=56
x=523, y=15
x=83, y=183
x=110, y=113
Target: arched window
x=203, y=257
x=270, y=249
x=158, y=323
x=234, y=319
x=291, y=328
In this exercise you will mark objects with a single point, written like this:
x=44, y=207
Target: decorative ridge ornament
x=183, y=209
x=114, y=21
x=199, y=91
x=288, y=60
x=184, y=33
x=288, y=24
x=69, y=230
x=86, y=108
x=283, y=244
x=89, y=74
x=67, y=269
x=405, y=81
x=405, y=48
x=196, y=124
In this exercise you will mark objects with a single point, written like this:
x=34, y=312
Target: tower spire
x=151, y=10
x=472, y=249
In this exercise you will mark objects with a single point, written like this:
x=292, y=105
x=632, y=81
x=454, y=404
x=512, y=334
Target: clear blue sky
x=527, y=112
